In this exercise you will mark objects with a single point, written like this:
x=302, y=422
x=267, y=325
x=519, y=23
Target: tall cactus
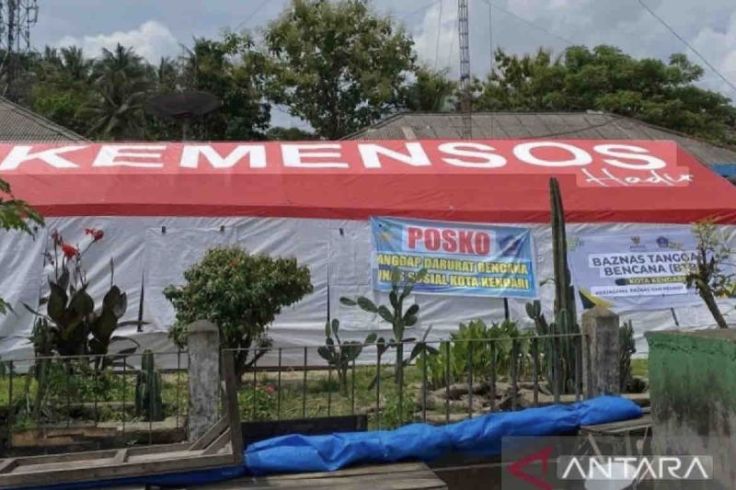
x=564, y=291
x=560, y=357
x=148, y=387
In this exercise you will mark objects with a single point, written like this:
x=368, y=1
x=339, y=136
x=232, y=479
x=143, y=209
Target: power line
x=684, y=41
x=451, y=53
x=412, y=13
x=491, y=59
x=528, y=22
x=250, y=16
x=439, y=33
x=490, y=39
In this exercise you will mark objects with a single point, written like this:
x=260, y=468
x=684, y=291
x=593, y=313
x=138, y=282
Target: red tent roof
x=465, y=180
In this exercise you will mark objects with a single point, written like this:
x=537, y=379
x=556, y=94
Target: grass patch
x=85, y=396
x=322, y=396
x=640, y=367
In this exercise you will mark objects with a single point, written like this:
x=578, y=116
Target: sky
x=158, y=28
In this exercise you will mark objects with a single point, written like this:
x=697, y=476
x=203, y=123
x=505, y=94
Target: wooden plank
x=112, y=464
x=360, y=470
x=164, y=457
x=40, y=468
x=231, y=405
x=160, y=448
x=212, y=433
x=402, y=476
x=8, y=464
x=382, y=482
x=620, y=427
x=120, y=457
x=102, y=454
x=66, y=457
x=218, y=444
x=417, y=480
x=80, y=473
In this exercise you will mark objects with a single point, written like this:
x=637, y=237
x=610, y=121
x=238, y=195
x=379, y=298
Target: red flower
x=70, y=251
x=270, y=389
x=94, y=233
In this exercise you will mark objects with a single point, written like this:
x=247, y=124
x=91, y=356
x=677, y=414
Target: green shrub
x=241, y=294
x=473, y=347
x=259, y=403
x=395, y=413
x=627, y=347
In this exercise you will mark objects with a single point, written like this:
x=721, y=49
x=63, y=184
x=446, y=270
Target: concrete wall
x=692, y=379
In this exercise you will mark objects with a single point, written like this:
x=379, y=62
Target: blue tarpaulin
x=418, y=442
x=478, y=436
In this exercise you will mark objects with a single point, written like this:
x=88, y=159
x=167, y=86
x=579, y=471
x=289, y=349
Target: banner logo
x=460, y=259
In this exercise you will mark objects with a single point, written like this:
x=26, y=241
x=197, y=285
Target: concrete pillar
x=601, y=370
x=203, y=343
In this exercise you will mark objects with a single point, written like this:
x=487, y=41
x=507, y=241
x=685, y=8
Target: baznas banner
x=461, y=259
x=639, y=272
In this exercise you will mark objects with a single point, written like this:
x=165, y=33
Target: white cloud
x=152, y=40
x=709, y=26
x=719, y=45
x=441, y=53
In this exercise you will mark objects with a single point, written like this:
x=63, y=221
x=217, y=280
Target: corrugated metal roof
x=570, y=125
x=20, y=124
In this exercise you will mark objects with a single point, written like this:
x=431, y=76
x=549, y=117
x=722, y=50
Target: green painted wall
x=693, y=380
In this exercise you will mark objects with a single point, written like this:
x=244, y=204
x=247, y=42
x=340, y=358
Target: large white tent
x=162, y=205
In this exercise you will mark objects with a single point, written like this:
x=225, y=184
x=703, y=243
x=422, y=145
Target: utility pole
x=16, y=19
x=464, y=34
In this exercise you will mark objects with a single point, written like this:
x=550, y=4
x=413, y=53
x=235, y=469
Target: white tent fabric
x=338, y=253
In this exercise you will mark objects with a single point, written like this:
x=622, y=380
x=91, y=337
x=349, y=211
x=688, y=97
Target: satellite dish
x=182, y=106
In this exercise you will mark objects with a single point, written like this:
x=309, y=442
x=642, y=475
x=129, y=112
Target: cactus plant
x=627, y=347
x=148, y=387
x=559, y=347
x=339, y=354
x=402, y=284
x=564, y=291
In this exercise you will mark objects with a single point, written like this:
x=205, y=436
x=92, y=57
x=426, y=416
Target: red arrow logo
x=517, y=468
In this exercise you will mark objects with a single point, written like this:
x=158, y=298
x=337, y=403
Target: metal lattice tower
x=16, y=19
x=464, y=34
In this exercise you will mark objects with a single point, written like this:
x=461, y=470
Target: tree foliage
x=62, y=91
x=122, y=80
x=104, y=98
x=431, y=91
x=232, y=70
x=279, y=133
x=711, y=275
x=337, y=65
x=606, y=79
x=241, y=294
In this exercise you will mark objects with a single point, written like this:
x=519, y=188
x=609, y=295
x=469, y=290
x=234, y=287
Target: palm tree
x=167, y=75
x=75, y=65
x=122, y=79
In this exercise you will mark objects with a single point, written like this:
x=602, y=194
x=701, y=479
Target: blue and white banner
x=634, y=272
x=461, y=259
